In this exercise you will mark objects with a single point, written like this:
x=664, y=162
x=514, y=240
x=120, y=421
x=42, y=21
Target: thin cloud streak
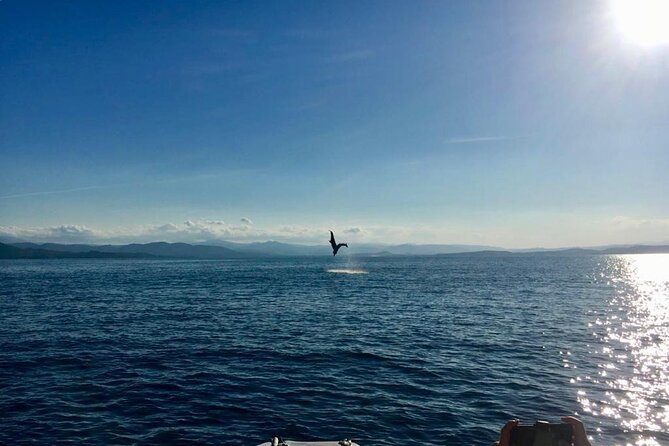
x=188, y=178
x=52, y=192
x=475, y=139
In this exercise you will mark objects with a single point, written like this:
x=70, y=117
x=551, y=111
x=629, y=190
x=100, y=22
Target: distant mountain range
x=216, y=250
x=135, y=250
x=292, y=249
x=14, y=252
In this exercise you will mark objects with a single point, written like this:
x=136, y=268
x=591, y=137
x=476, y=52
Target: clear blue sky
x=514, y=123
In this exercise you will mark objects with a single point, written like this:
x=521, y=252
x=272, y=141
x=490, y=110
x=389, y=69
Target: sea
x=433, y=350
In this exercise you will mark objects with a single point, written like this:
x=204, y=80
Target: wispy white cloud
x=190, y=231
x=637, y=223
x=52, y=192
x=200, y=231
x=178, y=179
x=475, y=139
x=626, y=229
x=62, y=233
x=567, y=231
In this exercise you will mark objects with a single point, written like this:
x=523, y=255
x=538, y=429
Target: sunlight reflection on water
x=633, y=347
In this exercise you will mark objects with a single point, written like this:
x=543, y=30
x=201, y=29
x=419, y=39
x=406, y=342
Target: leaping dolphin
x=335, y=246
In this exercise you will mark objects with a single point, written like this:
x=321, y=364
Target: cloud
x=626, y=229
x=167, y=227
x=475, y=139
x=201, y=231
x=600, y=231
x=68, y=230
x=190, y=231
x=188, y=178
x=638, y=223
x=57, y=234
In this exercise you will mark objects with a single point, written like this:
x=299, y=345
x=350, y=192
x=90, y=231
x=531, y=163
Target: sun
x=644, y=22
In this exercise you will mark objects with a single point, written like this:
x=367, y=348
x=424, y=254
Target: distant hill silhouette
x=274, y=248
x=638, y=249
x=26, y=250
x=155, y=249
x=621, y=250
x=293, y=249
x=14, y=252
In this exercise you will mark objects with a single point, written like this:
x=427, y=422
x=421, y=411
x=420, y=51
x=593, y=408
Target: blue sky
x=516, y=123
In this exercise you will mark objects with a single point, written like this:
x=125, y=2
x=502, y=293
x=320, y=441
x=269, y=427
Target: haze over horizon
x=520, y=124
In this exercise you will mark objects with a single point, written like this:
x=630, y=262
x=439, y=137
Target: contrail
x=51, y=192
x=107, y=186
x=475, y=139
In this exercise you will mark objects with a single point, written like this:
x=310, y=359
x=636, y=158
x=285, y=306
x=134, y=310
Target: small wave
x=346, y=271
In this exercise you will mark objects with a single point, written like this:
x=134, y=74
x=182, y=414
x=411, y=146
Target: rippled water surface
x=408, y=350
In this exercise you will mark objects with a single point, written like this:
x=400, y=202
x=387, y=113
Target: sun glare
x=645, y=22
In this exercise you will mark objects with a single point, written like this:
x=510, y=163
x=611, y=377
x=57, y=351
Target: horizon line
x=209, y=243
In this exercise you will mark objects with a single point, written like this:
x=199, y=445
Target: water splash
x=346, y=271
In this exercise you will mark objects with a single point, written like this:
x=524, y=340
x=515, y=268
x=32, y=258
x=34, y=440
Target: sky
x=509, y=123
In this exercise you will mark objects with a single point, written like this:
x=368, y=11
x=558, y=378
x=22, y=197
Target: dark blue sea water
x=387, y=351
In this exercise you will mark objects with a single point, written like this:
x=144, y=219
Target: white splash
x=346, y=271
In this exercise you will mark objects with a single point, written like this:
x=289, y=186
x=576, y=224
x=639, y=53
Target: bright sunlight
x=645, y=22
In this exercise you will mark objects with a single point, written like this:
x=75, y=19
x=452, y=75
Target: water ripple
x=419, y=350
